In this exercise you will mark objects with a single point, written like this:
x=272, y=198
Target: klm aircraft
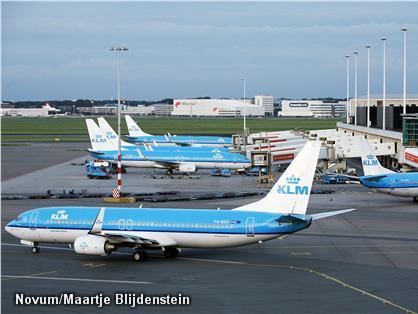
x=385, y=180
x=181, y=160
x=103, y=230
x=113, y=138
x=136, y=135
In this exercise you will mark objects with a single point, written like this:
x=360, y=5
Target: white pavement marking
x=304, y=269
x=79, y=279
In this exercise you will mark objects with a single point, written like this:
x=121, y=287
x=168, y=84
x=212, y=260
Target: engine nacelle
x=187, y=168
x=93, y=245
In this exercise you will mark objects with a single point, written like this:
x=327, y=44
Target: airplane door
x=32, y=220
x=250, y=226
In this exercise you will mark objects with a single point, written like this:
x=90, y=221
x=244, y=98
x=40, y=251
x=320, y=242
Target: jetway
x=283, y=147
x=411, y=156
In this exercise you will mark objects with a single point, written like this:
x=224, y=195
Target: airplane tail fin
x=371, y=165
x=133, y=128
x=98, y=140
x=290, y=194
x=111, y=134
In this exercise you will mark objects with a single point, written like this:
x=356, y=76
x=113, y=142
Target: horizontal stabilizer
x=373, y=178
x=329, y=214
x=95, y=152
x=290, y=219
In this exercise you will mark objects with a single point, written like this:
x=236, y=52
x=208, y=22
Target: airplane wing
x=126, y=237
x=329, y=214
x=129, y=238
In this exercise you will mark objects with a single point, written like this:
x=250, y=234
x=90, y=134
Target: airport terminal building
x=312, y=108
x=216, y=108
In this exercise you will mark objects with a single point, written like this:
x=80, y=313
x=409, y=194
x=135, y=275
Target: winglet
x=98, y=223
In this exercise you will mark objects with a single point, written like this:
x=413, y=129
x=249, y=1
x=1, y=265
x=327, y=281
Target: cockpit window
x=20, y=217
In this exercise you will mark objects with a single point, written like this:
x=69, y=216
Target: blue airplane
x=136, y=135
x=113, y=138
x=385, y=180
x=171, y=159
x=103, y=230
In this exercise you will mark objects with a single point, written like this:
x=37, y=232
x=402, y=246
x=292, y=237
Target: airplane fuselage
x=211, y=141
x=182, y=228
x=172, y=159
x=397, y=184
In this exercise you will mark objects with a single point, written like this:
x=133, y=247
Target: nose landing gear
x=171, y=252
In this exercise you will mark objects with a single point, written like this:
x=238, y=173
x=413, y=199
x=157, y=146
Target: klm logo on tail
x=370, y=161
x=110, y=135
x=292, y=187
x=98, y=139
x=133, y=128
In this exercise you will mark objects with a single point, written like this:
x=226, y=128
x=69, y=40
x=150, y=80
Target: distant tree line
x=69, y=105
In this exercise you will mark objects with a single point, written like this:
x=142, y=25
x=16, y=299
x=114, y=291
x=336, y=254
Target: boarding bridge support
x=263, y=159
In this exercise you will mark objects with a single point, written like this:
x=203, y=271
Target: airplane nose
x=8, y=228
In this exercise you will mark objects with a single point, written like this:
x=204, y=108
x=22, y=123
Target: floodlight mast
x=118, y=51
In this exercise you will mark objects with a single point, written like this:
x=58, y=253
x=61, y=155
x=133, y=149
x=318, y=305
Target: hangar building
x=216, y=108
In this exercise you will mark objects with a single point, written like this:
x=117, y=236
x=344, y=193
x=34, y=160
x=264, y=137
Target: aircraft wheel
x=35, y=249
x=139, y=256
x=171, y=252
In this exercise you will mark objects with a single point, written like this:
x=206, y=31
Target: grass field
x=74, y=128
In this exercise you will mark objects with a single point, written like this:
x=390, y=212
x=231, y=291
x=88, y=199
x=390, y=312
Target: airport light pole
x=404, y=30
x=368, y=85
x=347, y=58
x=384, y=84
x=355, y=86
x=118, y=51
x=245, y=107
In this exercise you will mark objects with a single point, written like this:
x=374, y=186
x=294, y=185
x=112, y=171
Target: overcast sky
x=61, y=50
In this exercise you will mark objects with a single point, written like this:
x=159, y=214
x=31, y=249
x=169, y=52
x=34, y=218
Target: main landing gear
x=35, y=248
x=140, y=256
x=171, y=252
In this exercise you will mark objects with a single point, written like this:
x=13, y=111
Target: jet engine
x=93, y=245
x=187, y=168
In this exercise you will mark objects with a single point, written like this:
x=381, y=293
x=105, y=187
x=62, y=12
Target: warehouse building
x=312, y=108
x=216, y=108
x=267, y=102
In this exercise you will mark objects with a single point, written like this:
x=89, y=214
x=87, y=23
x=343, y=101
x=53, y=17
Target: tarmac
x=365, y=261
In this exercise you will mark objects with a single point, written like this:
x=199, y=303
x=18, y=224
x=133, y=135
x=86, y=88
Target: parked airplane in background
x=113, y=138
x=136, y=135
x=385, y=180
x=181, y=160
x=100, y=230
